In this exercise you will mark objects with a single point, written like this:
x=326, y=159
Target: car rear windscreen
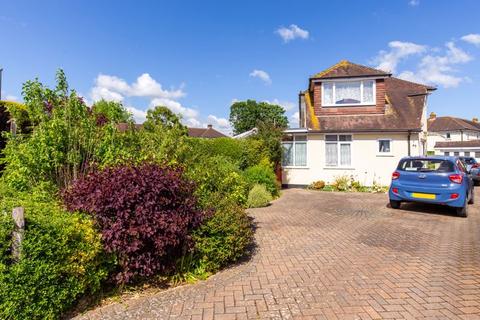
x=469, y=161
x=426, y=165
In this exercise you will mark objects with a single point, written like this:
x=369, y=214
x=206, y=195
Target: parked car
x=435, y=179
x=473, y=168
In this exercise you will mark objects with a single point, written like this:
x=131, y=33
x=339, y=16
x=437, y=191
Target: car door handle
x=422, y=176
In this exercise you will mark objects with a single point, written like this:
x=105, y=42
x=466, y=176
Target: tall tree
x=246, y=115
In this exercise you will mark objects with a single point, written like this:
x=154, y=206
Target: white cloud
x=292, y=32
x=388, y=60
x=262, y=75
x=114, y=88
x=473, y=38
x=295, y=120
x=439, y=69
x=138, y=115
x=175, y=106
x=10, y=97
x=287, y=105
x=413, y=3
x=192, y=122
x=218, y=122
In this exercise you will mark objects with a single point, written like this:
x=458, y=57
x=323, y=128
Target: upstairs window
x=348, y=93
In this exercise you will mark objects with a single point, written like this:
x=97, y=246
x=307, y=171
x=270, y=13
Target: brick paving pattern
x=336, y=256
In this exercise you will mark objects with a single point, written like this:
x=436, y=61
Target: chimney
x=209, y=126
x=475, y=119
x=433, y=116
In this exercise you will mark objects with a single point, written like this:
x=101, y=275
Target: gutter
x=366, y=131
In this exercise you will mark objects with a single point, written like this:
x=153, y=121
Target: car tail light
x=454, y=196
x=395, y=175
x=456, y=178
x=395, y=190
x=476, y=165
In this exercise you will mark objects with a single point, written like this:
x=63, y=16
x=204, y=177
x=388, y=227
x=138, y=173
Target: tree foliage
x=246, y=115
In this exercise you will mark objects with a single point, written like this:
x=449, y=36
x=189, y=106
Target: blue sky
x=198, y=56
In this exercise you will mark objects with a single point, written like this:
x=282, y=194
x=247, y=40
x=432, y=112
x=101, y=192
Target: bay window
x=294, y=151
x=344, y=93
x=338, y=150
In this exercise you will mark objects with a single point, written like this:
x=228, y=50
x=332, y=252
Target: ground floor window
x=467, y=153
x=446, y=153
x=294, y=150
x=338, y=150
x=456, y=153
x=384, y=146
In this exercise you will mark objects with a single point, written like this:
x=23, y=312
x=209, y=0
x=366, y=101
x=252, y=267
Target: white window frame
x=294, y=143
x=380, y=153
x=333, y=82
x=338, y=142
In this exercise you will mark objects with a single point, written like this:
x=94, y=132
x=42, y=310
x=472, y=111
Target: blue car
x=435, y=179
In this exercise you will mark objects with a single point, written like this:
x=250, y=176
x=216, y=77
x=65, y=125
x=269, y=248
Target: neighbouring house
x=453, y=136
x=209, y=132
x=355, y=121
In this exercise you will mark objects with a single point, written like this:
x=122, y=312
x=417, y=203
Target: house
x=209, y=132
x=355, y=121
x=453, y=136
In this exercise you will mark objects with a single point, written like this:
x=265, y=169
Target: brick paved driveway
x=336, y=256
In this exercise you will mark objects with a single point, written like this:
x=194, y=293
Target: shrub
x=262, y=174
x=223, y=238
x=145, y=215
x=218, y=181
x=317, y=185
x=258, y=197
x=61, y=259
x=342, y=183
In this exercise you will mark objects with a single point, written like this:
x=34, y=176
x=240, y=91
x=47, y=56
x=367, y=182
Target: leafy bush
x=218, y=181
x=61, y=259
x=317, y=185
x=145, y=215
x=341, y=183
x=258, y=197
x=262, y=174
x=223, y=238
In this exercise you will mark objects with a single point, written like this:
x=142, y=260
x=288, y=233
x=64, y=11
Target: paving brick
x=336, y=256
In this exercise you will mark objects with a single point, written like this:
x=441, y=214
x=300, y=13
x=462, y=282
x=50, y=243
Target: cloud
x=114, y=88
x=10, y=97
x=439, y=69
x=291, y=33
x=262, y=75
x=473, y=38
x=413, y=3
x=218, y=122
x=138, y=115
x=295, y=120
x=287, y=105
x=389, y=60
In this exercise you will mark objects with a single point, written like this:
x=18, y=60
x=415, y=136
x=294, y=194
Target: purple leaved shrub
x=145, y=214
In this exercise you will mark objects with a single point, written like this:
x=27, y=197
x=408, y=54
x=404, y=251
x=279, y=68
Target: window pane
x=300, y=138
x=331, y=137
x=328, y=93
x=287, y=159
x=456, y=153
x=477, y=154
x=345, y=137
x=446, y=153
x=301, y=154
x=287, y=137
x=467, y=153
x=384, y=145
x=331, y=154
x=347, y=92
x=345, y=154
x=368, y=92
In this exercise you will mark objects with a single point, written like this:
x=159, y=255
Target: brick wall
x=373, y=109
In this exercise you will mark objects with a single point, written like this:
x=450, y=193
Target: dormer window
x=348, y=93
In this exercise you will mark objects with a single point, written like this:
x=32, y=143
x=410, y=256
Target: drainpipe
x=461, y=134
x=409, y=134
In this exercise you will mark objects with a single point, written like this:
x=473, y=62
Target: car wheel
x=462, y=212
x=395, y=204
x=472, y=197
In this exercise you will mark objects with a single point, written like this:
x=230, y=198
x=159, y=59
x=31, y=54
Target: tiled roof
x=208, y=132
x=205, y=133
x=348, y=69
x=451, y=124
x=458, y=144
x=404, y=111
